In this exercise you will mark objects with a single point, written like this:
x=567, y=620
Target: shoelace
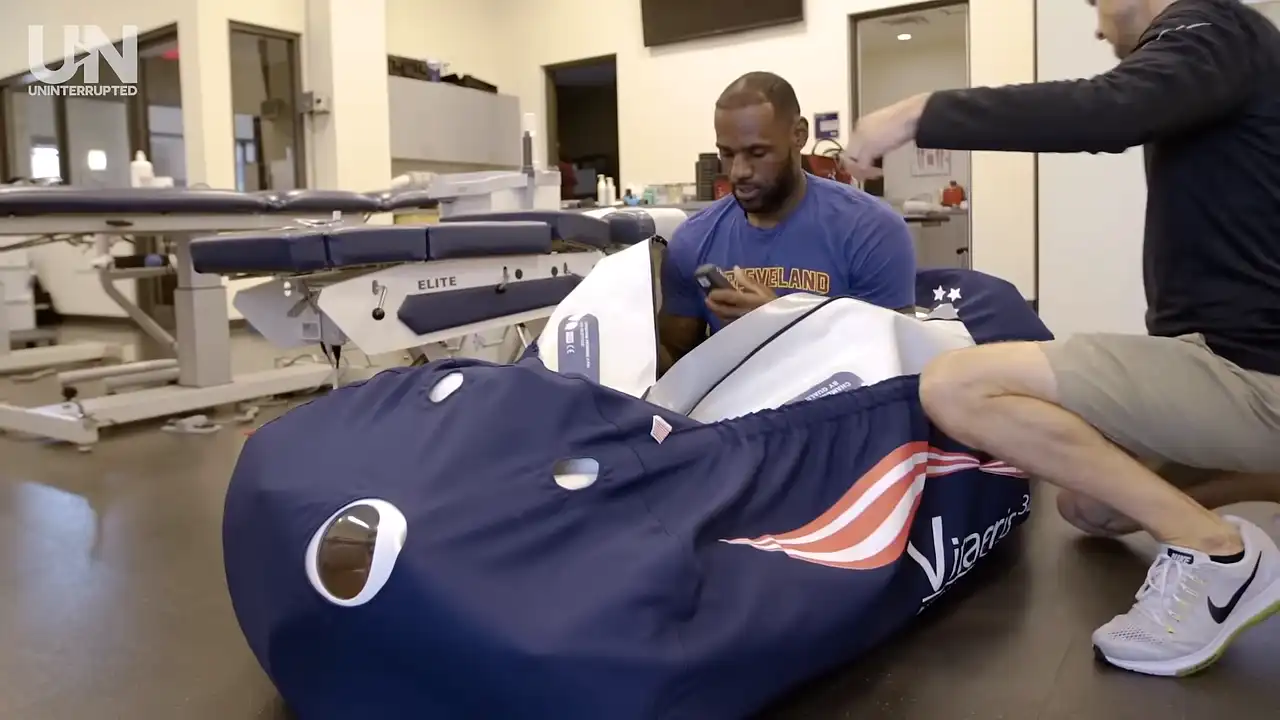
x=1158, y=598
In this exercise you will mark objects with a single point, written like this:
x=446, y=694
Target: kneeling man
x=1200, y=396
x=782, y=230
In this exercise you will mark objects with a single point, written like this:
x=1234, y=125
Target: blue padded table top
x=622, y=227
x=299, y=250
x=409, y=199
x=630, y=226
x=320, y=201
x=311, y=249
x=30, y=201
x=566, y=226
x=473, y=239
x=289, y=250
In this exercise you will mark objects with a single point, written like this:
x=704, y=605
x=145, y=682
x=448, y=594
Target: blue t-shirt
x=840, y=241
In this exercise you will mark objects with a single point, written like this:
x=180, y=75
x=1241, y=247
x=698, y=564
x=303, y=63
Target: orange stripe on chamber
x=849, y=528
x=889, y=555
x=855, y=492
x=865, y=523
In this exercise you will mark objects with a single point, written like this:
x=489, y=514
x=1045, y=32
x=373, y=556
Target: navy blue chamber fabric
x=698, y=578
x=992, y=309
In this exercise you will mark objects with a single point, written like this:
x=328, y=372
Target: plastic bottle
x=140, y=171
x=529, y=124
x=611, y=192
x=602, y=191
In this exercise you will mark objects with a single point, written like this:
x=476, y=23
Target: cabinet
x=441, y=123
x=16, y=299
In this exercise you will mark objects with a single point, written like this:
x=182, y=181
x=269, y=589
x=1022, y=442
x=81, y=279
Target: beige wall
x=666, y=95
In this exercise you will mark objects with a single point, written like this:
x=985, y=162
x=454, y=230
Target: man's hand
x=880, y=133
x=729, y=305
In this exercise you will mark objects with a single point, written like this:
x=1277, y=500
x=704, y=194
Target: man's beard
x=774, y=197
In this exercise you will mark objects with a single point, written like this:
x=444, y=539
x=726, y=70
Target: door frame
x=294, y=53
x=552, y=119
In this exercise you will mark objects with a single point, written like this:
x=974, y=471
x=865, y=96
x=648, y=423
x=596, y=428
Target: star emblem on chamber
x=944, y=294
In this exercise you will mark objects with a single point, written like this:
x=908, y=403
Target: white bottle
x=140, y=171
x=611, y=191
x=602, y=191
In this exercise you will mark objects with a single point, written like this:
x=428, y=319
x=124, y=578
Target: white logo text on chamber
x=949, y=564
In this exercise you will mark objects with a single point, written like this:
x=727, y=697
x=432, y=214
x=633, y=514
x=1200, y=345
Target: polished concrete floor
x=113, y=605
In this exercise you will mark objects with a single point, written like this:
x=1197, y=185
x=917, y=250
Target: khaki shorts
x=1171, y=400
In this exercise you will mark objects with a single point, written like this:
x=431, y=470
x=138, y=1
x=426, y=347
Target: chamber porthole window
x=352, y=555
x=576, y=473
x=445, y=387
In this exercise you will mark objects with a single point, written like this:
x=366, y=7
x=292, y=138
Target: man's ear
x=802, y=133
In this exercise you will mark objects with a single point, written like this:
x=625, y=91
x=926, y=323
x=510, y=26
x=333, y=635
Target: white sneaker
x=1190, y=608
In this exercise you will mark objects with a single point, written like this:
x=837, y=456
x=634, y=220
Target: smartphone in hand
x=709, y=277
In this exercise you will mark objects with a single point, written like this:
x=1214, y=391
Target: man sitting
x=781, y=231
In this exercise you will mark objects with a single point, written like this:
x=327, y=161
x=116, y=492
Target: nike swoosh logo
x=1220, y=614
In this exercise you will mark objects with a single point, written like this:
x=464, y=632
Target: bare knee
x=953, y=383
x=956, y=387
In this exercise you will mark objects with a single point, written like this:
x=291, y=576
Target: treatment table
x=410, y=287
x=201, y=348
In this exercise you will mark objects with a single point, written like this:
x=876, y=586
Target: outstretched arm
x=1186, y=76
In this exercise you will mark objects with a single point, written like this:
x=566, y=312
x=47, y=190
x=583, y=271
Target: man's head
x=1122, y=22
x=760, y=135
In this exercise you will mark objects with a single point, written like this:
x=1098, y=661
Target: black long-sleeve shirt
x=1202, y=93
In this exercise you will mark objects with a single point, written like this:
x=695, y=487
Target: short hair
x=756, y=88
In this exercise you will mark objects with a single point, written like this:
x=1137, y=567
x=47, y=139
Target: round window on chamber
x=352, y=555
